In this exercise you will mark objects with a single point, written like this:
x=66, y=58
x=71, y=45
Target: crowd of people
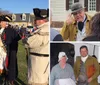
x=36, y=43
x=79, y=26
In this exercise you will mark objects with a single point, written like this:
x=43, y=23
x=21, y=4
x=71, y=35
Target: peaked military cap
x=5, y=18
x=41, y=13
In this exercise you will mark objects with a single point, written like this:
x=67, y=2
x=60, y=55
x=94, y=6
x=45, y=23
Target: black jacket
x=92, y=38
x=11, y=41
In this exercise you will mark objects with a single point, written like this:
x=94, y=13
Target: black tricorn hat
x=5, y=18
x=41, y=13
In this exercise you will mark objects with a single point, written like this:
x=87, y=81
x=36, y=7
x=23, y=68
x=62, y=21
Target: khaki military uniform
x=91, y=61
x=69, y=32
x=38, y=60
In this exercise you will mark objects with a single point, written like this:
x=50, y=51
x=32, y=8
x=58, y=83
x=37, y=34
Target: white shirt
x=2, y=53
x=2, y=57
x=1, y=30
x=84, y=58
x=81, y=34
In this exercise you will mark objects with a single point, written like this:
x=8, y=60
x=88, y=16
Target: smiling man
x=86, y=68
x=77, y=27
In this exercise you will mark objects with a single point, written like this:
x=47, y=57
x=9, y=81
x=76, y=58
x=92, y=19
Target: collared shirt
x=1, y=30
x=84, y=58
x=42, y=25
x=59, y=73
x=81, y=34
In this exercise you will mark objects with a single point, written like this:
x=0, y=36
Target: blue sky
x=23, y=6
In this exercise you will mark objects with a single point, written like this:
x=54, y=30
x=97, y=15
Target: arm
x=52, y=77
x=11, y=36
x=35, y=41
x=75, y=69
x=1, y=44
x=96, y=74
x=72, y=74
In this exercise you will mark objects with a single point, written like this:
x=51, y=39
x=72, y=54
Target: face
x=79, y=16
x=84, y=52
x=63, y=60
x=39, y=22
x=3, y=24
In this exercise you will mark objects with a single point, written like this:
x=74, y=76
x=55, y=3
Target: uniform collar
x=1, y=30
x=84, y=58
x=42, y=25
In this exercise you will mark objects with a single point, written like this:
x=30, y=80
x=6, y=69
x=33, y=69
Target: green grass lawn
x=22, y=65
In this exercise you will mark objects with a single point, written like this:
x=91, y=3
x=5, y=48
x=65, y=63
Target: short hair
x=83, y=46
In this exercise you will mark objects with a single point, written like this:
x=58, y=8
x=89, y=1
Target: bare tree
x=3, y=12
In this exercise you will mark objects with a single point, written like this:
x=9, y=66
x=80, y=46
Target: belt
x=38, y=54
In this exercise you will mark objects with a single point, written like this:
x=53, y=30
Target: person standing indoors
x=38, y=44
x=86, y=68
x=62, y=72
x=76, y=27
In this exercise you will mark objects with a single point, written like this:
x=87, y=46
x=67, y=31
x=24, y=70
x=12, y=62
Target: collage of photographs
x=50, y=42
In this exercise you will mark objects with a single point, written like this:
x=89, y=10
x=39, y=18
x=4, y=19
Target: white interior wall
x=90, y=49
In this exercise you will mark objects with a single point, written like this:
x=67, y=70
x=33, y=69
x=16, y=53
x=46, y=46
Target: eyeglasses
x=79, y=12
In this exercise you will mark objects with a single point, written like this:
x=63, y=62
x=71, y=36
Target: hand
x=89, y=80
x=25, y=40
x=69, y=19
x=1, y=44
x=77, y=79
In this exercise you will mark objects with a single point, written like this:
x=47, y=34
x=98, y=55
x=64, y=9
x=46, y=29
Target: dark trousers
x=82, y=83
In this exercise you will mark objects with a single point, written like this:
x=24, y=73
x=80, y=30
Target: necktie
x=81, y=24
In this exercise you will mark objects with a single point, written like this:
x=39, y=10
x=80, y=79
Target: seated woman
x=95, y=29
x=62, y=73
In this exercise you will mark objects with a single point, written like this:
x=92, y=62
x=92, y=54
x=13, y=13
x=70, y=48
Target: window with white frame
x=70, y=3
x=13, y=17
x=23, y=16
x=91, y=5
